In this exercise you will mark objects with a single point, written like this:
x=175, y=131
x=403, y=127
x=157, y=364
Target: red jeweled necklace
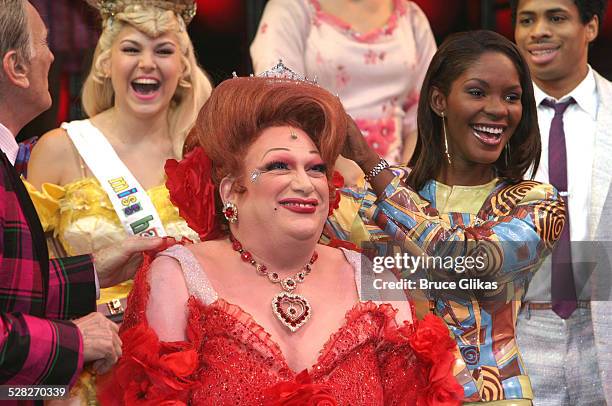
x=291, y=309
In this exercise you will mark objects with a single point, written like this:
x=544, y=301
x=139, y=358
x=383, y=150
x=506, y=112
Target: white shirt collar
x=585, y=94
x=8, y=144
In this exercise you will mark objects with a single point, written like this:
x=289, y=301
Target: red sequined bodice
x=229, y=359
x=238, y=352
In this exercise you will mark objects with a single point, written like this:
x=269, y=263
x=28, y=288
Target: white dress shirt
x=579, y=124
x=8, y=144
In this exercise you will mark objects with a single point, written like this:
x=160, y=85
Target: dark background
x=222, y=32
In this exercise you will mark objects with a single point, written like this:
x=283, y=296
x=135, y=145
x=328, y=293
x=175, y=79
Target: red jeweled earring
x=230, y=211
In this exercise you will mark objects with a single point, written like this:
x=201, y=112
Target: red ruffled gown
x=229, y=359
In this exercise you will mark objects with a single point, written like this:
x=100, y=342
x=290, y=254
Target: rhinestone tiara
x=282, y=72
x=186, y=9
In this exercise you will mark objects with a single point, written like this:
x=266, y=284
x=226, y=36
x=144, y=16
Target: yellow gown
x=81, y=218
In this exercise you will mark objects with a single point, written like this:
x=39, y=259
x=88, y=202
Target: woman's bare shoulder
x=48, y=161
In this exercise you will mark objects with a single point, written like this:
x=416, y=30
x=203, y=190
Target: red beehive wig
x=239, y=109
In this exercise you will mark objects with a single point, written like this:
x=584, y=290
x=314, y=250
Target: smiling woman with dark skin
x=463, y=196
x=483, y=110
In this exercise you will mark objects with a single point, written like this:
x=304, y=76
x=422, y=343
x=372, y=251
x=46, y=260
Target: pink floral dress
x=377, y=75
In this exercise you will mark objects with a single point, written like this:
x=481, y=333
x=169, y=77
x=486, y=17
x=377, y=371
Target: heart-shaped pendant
x=292, y=310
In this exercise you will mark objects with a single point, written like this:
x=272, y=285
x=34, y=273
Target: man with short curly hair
x=564, y=331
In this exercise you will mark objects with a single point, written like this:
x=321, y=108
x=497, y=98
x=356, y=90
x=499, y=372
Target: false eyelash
x=320, y=167
x=276, y=165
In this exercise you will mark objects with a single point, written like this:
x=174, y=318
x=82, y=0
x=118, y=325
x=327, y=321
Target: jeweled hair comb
x=186, y=9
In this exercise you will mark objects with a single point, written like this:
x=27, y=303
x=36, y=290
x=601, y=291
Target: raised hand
x=357, y=149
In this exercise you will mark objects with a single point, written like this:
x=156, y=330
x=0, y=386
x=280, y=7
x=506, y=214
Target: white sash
x=130, y=201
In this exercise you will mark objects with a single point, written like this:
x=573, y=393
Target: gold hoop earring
x=446, y=152
x=507, y=154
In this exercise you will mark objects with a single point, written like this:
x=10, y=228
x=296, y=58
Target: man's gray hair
x=14, y=30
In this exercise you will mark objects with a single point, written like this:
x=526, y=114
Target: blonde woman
x=96, y=181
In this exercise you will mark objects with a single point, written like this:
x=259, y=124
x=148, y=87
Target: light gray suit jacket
x=600, y=222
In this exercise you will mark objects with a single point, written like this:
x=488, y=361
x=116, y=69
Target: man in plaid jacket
x=39, y=344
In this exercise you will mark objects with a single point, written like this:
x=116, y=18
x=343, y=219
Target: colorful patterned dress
x=514, y=225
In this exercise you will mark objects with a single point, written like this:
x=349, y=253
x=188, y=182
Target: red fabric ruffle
x=150, y=372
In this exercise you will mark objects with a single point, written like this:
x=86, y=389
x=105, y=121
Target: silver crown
x=281, y=72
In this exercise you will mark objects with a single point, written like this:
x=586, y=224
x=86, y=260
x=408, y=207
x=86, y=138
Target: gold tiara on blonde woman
x=186, y=9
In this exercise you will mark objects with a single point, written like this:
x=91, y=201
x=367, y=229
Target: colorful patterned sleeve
x=516, y=227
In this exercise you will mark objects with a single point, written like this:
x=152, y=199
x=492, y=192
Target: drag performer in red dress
x=260, y=312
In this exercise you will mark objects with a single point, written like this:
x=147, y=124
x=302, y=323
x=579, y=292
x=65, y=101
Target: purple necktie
x=563, y=290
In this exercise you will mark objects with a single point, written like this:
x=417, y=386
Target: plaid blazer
x=38, y=345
